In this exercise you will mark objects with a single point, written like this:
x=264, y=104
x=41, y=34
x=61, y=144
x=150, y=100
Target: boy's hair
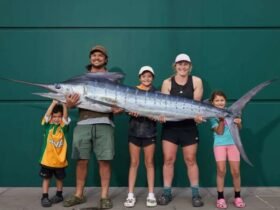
x=217, y=93
x=57, y=108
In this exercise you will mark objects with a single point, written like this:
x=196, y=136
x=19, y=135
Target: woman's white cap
x=146, y=68
x=182, y=57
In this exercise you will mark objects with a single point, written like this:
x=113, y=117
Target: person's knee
x=134, y=163
x=82, y=164
x=104, y=169
x=235, y=174
x=190, y=161
x=169, y=161
x=104, y=163
x=104, y=166
x=149, y=163
x=221, y=172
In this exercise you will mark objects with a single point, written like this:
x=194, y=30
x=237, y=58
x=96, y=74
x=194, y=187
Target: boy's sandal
x=221, y=204
x=56, y=199
x=106, y=203
x=239, y=203
x=46, y=202
x=74, y=200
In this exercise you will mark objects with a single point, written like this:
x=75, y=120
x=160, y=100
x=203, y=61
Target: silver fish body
x=149, y=104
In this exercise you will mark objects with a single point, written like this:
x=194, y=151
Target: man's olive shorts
x=97, y=137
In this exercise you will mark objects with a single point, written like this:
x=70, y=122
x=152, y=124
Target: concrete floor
x=260, y=198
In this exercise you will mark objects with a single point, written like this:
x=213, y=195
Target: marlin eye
x=57, y=86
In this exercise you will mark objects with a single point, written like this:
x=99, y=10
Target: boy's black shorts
x=47, y=173
x=141, y=142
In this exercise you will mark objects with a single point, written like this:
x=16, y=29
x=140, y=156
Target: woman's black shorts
x=183, y=136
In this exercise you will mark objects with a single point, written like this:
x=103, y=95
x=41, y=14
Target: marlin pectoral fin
x=236, y=138
x=98, y=102
x=206, y=101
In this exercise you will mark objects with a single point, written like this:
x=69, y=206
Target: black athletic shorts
x=141, y=142
x=183, y=136
x=47, y=173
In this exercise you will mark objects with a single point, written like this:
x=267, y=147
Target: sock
x=151, y=195
x=220, y=195
x=237, y=194
x=59, y=193
x=195, y=190
x=167, y=191
x=45, y=195
x=130, y=195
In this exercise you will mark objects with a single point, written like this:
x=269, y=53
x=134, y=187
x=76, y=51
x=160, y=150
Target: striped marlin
x=100, y=91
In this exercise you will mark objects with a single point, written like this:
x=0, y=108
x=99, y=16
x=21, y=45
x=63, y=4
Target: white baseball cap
x=183, y=57
x=146, y=68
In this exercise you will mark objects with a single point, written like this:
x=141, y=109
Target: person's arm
x=50, y=109
x=72, y=100
x=221, y=127
x=165, y=89
x=198, y=88
x=65, y=112
x=166, y=86
x=238, y=121
x=65, y=119
x=197, y=95
x=117, y=110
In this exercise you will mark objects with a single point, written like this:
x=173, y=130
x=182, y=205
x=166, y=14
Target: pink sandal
x=239, y=203
x=221, y=204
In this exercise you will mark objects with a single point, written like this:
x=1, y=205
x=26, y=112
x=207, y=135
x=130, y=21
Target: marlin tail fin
x=236, y=109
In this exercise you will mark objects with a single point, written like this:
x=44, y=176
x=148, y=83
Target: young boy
x=53, y=159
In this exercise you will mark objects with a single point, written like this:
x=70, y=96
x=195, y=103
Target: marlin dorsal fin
x=111, y=76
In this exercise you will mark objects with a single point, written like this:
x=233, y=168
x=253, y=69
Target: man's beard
x=100, y=66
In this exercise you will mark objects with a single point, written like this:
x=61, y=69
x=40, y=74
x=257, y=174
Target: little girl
x=142, y=133
x=224, y=148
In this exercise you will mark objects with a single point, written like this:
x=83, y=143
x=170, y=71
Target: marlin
x=101, y=91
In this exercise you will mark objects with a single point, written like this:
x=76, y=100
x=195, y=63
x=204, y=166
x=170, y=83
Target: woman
x=183, y=133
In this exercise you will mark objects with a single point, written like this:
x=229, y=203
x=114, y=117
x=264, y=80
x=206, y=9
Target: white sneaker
x=151, y=202
x=130, y=202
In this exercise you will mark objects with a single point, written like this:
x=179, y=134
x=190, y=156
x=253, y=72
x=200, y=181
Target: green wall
x=234, y=46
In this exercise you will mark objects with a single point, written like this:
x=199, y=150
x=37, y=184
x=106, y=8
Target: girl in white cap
x=183, y=133
x=142, y=133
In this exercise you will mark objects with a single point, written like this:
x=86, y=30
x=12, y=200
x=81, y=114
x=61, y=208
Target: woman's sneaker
x=164, y=199
x=151, y=202
x=130, y=202
x=197, y=201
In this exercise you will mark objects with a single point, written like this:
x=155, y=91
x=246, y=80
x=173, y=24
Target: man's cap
x=146, y=68
x=99, y=48
x=183, y=57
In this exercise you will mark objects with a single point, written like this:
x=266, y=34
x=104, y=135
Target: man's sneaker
x=197, y=201
x=46, y=202
x=151, y=202
x=164, y=199
x=130, y=202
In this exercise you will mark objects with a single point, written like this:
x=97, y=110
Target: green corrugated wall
x=234, y=46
